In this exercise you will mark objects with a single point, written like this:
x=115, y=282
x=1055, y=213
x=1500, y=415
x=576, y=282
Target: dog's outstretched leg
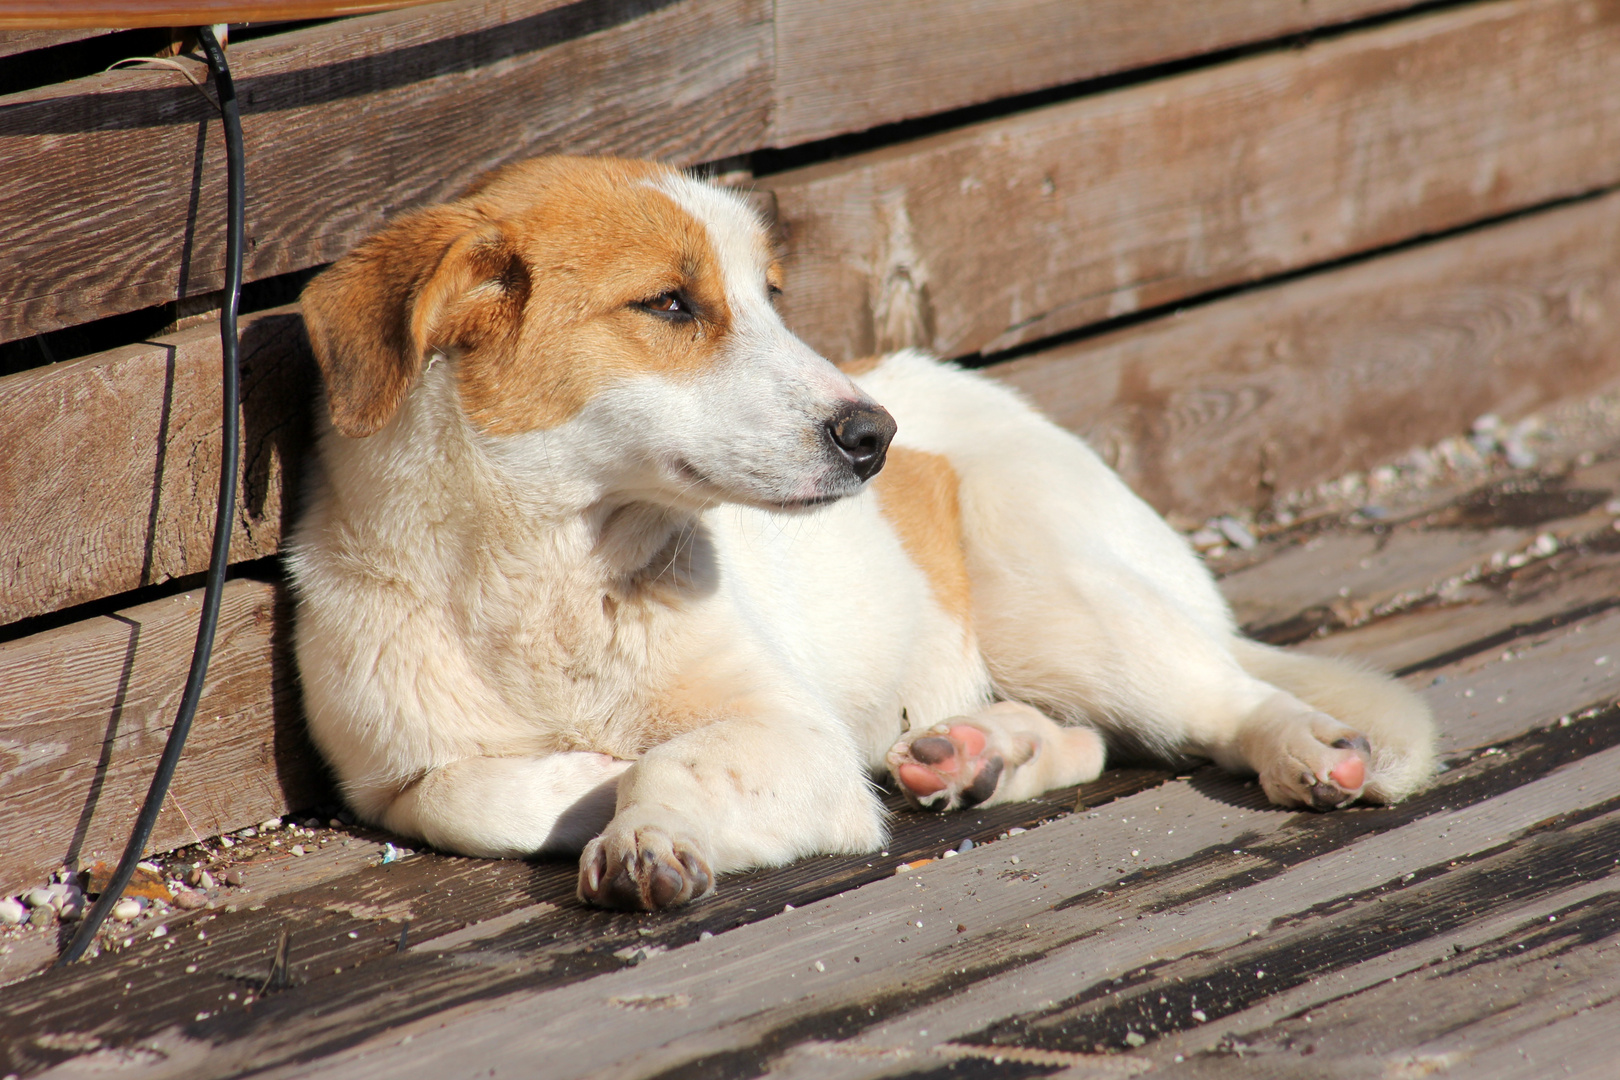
x=1004, y=753
x=505, y=807
x=738, y=793
x=1332, y=734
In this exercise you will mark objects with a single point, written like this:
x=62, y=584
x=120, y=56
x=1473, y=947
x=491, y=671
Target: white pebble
x=12, y=913
x=948, y=854
x=1135, y=1038
x=37, y=898
x=160, y=931
x=270, y=826
x=1234, y=531
x=1016, y=831
x=819, y=966
x=298, y=849
x=127, y=909
x=1014, y=859
x=1199, y=1015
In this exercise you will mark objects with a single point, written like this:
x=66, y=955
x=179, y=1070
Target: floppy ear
x=375, y=315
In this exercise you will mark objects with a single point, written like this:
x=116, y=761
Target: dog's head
x=616, y=315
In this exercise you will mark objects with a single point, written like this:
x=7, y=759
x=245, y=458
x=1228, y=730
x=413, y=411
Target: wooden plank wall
x=1309, y=253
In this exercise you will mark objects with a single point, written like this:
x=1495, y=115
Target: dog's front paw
x=642, y=869
x=1320, y=764
x=948, y=766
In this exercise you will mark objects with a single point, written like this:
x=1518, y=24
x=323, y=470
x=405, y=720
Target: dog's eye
x=773, y=290
x=671, y=305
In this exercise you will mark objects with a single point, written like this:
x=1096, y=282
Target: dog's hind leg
x=1091, y=609
x=1360, y=734
x=508, y=807
x=1005, y=753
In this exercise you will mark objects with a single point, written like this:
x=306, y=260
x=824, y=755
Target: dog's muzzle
x=860, y=434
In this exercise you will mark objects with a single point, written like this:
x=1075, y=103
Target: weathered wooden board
x=356, y=924
x=130, y=13
x=1497, y=615
x=729, y=1006
x=1013, y=230
x=849, y=65
x=13, y=42
x=112, y=462
x=1535, y=1000
x=1224, y=404
x=85, y=710
x=115, y=183
x=1526, y=534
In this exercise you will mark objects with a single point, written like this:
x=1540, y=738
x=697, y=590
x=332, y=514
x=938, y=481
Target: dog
x=601, y=558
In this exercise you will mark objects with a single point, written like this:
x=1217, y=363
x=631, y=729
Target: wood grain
x=112, y=462
x=115, y=183
x=1009, y=231
x=85, y=710
x=1275, y=389
x=849, y=65
x=13, y=42
x=31, y=14
x=1060, y=923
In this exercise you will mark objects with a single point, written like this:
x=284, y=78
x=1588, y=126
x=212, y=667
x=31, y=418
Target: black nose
x=861, y=434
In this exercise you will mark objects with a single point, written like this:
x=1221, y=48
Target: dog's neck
x=434, y=476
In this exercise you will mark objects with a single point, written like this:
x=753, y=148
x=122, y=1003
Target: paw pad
x=947, y=768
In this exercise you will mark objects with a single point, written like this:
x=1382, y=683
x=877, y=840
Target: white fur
x=489, y=626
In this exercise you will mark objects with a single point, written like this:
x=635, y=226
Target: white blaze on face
x=772, y=393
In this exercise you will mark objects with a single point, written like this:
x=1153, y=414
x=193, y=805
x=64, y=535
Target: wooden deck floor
x=1147, y=922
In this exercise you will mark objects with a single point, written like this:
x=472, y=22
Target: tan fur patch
x=707, y=691
x=861, y=365
x=917, y=493
x=596, y=239
x=532, y=280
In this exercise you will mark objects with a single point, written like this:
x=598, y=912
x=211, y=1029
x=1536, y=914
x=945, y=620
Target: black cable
x=223, y=520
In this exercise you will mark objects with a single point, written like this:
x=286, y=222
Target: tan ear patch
x=359, y=315
x=917, y=493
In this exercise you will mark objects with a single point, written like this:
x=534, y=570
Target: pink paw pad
x=951, y=760
x=1343, y=782
x=1349, y=773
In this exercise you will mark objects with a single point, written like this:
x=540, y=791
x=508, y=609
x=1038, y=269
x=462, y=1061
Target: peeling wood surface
x=337, y=118
x=849, y=65
x=1009, y=231
x=85, y=710
x=112, y=466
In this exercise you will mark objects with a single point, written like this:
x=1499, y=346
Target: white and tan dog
x=601, y=558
